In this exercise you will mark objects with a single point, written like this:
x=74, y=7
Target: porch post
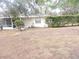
x=11, y=23
x=20, y=18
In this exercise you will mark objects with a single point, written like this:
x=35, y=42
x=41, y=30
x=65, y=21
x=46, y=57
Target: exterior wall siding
x=31, y=22
x=28, y=21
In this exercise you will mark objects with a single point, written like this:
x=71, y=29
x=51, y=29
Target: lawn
x=40, y=43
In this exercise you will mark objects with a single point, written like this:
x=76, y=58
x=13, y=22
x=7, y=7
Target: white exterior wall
x=28, y=22
x=7, y=27
x=31, y=22
x=42, y=24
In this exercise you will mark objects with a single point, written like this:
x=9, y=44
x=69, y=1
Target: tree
x=70, y=6
x=39, y=7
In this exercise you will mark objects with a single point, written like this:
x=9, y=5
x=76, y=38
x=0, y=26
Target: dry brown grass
x=40, y=43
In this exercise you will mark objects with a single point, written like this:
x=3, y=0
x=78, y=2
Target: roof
x=42, y=16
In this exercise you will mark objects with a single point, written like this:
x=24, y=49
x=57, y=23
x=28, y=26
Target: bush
x=19, y=23
x=60, y=21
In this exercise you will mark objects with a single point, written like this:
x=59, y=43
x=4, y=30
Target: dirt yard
x=40, y=43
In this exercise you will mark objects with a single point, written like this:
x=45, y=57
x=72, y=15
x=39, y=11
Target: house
x=29, y=21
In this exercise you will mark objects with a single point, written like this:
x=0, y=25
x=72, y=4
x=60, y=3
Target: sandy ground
x=40, y=43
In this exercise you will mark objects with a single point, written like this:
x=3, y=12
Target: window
x=6, y=22
x=38, y=21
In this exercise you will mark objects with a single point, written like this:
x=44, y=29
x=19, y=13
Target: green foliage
x=61, y=21
x=19, y=23
x=73, y=2
x=40, y=1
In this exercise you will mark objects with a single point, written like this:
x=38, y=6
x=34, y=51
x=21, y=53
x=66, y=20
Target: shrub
x=19, y=23
x=59, y=21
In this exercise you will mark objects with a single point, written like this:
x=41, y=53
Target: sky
x=55, y=10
